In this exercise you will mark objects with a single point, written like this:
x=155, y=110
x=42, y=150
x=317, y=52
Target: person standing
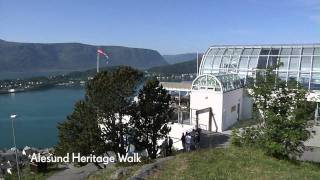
x=164, y=147
x=188, y=141
x=170, y=146
x=183, y=141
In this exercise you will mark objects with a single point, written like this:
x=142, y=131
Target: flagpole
x=97, y=62
x=197, y=64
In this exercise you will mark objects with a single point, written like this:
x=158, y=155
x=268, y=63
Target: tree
x=80, y=132
x=111, y=94
x=150, y=116
x=283, y=108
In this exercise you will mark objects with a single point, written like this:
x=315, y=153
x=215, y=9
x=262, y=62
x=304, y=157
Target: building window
x=233, y=108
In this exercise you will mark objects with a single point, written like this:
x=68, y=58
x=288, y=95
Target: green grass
x=245, y=123
x=234, y=163
x=106, y=174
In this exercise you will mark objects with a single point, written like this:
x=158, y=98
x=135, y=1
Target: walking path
x=214, y=139
x=312, y=152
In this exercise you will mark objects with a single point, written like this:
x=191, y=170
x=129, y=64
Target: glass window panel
x=229, y=52
x=293, y=76
x=213, y=51
x=317, y=51
x=285, y=51
x=307, y=51
x=304, y=79
x=242, y=74
x=316, y=63
x=225, y=62
x=264, y=51
x=306, y=63
x=282, y=75
x=207, y=71
x=274, y=52
x=216, y=62
x=237, y=51
x=262, y=62
x=272, y=61
x=208, y=62
x=247, y=51
x=253, y=62
x=296, y=51
x=294, y=63
x=285, y=62
x=221, y=51
x=315, y=81
x=234, y=61
x=256, y=51
x=243, y=63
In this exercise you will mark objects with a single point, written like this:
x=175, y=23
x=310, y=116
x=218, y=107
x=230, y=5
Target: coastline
x=46, y=87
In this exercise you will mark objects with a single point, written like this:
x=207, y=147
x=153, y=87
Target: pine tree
x=111, y=94
x=150, y=116
x=80, y=132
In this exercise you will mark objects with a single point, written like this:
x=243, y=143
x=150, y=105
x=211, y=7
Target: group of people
x=166, y=147
x=191, y=140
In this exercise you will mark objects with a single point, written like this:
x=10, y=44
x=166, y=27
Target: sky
x=168, y=26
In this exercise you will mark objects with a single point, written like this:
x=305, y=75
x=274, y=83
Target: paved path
x=214, y=139
x=312, y=152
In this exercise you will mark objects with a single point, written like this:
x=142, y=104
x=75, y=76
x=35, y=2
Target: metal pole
x=97, y=62
x=197, y=64
x=179, y=98
x=14, y=143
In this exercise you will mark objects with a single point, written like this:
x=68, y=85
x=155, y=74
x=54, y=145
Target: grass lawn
x=106, y=174
x=234, y=163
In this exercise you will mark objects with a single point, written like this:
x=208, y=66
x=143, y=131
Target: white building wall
x=224, y=107
x=231, y=100
x=247, y=109
x=201, y=99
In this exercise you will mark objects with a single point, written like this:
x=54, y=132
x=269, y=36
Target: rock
x=120, y=172
x=147, y=169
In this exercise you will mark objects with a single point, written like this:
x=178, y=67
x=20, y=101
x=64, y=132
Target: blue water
x=39, y=113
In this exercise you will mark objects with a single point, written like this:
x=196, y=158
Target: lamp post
x=12, y=117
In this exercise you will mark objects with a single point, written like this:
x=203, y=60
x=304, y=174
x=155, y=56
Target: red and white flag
x=100, y=51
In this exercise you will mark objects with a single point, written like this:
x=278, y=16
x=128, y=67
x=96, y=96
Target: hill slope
x=173, y=59
x=179, y=68
x=70, y=56
x=234, y=163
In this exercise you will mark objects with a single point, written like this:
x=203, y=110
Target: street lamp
x=12, y=117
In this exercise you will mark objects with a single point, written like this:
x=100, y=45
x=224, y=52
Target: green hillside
x=178, y=58
x=234, y=163
x=178, y=68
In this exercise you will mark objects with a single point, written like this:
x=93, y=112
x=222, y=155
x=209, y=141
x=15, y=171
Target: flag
x=100, y=51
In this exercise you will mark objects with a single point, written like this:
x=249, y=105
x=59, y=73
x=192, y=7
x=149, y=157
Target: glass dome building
x=217, y=82
x=301, y=62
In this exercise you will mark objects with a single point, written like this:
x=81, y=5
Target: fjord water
x=39, y=113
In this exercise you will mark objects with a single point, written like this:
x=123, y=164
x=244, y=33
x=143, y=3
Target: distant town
x=76, y=80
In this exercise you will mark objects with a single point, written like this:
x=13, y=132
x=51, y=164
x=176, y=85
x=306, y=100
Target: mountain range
x=178, y=58
x=35, y=57
x=187, y=67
